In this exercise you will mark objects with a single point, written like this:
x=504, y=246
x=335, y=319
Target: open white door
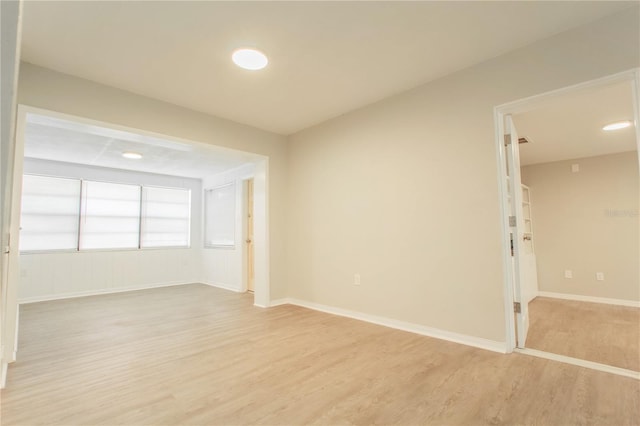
x=517, y=228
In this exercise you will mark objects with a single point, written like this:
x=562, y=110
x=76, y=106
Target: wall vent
x=523, y=140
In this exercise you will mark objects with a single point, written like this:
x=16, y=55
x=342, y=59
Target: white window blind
x=165, y=217
x=71, y=214
x=110, y=215
x=50, y=213
x=220, y=212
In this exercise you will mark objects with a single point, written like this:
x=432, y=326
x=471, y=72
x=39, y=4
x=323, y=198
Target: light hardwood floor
x=607, y=334
x=198, y=355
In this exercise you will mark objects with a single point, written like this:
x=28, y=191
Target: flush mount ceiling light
x=249, y=59
x=132, y=155
x=617, y=125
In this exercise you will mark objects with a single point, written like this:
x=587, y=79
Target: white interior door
x=517, y=228
x=528, y=250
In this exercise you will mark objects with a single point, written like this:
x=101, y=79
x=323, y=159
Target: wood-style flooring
x=607, y=334
x=197, y=355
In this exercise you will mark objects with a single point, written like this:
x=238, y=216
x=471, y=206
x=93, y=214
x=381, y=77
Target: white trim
x=3, y=379
x=278, y=302
x=507, y=269
x=591, y=299
x=478, y=342
x=76, y=294
x=635, y=88
x=526, y=104
x=223, y=286
x=15, y=343
x=581, y=363
x=521, y=105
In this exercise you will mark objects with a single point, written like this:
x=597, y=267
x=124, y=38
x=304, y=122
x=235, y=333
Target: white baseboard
x=580, y=298
x=73, y=295
x=278, y=302
x=3, y=375
x=223, y=286
x=477, y=342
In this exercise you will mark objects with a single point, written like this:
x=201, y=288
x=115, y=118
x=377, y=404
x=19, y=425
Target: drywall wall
x=10, y=36
x=405, y=192
x=53, y=275
x=47, y=89
x=225, y=266
x=587, y=222
x=10, y=46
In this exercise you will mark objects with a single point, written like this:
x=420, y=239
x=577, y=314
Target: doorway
x=570, y=222
x=114, y=138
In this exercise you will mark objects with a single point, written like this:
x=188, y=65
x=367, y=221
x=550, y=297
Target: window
x=73, y=214
x=165, y=217
x=50, y=213
x=220, y=216
x=110, y=216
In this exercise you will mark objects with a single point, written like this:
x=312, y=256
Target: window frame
x=141, y=227
x=77, y=249
x=83, y=215
x=79, y=204
x=206, y=217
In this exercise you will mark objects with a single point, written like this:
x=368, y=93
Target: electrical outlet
x=600, y=276
x=575, y=168
x=356, y=279
x=568, y=273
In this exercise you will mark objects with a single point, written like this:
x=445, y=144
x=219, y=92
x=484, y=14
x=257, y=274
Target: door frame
x=246, y=259
x=519, y=106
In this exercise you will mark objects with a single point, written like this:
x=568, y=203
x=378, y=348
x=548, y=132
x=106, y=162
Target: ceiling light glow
x=132, y=155
x=617, y=125
x=249, y=59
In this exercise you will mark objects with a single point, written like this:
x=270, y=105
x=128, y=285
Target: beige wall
x=43, y=88
x=587, y=222
x=405, y=191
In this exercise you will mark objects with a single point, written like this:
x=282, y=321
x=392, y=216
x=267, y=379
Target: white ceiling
x=56, y=139
x=326, y=58
x=570, y=126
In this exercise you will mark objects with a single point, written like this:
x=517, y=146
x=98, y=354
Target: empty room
x=296, y=213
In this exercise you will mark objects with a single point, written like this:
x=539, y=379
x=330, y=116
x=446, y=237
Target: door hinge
x=512, y=221
x=517, y=308
x=507, y=140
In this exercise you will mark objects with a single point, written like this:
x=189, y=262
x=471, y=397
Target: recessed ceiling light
x=132, y=155
x=617, y=125
x=249, y=59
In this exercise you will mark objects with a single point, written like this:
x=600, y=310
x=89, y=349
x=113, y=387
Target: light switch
x=600, y=276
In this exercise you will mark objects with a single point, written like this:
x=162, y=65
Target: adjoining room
x=579, y=170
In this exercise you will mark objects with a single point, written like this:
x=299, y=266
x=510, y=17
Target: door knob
x=248, y=241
